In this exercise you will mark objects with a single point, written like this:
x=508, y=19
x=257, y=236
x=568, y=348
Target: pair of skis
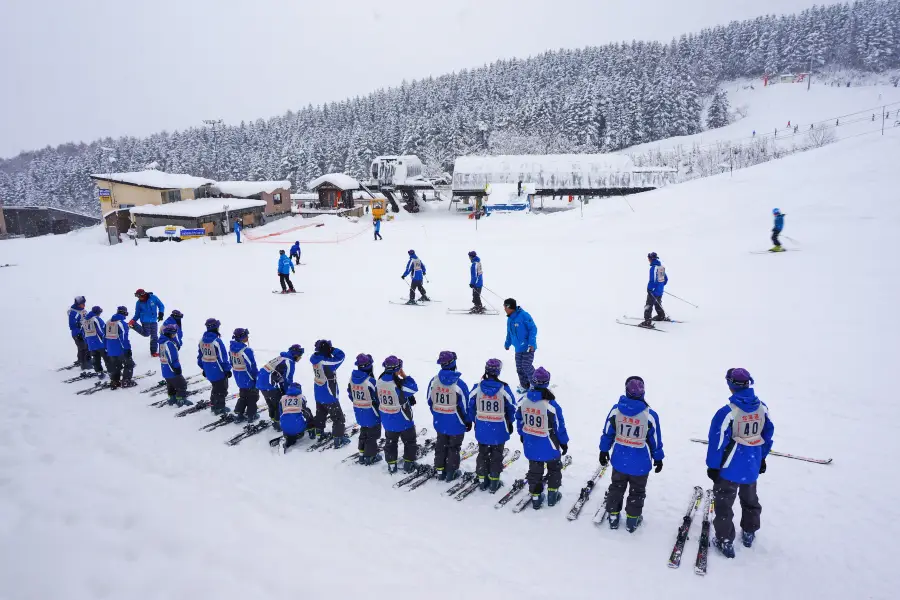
x=818, y=461
x=420, y=433
x=521, y=504
x=467, y=452
x=327, y=442
x=160, y=388
x=82, y=377
x=683, y=534
x=585, y=494
x=249, y=431
x=187, y=394
x=468, y=311
x=105, y=385
x=468, y=490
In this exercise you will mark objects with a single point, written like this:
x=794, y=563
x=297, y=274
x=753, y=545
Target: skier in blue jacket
x=75, y=313
x=294, y=416
x=118, y=349
x=740, y=438
x=395, y=394
x=776, y=230
x=94, y=331
x=275, y=376
x=212, y=357
x=295, y=252
x=243, y=365
x=416, y=269
x=521, y=334
x=169, y=361
x=326, y=360
x=285, y=268
x=377, y=225
x=364, y=395
x=633, y=438
x=542, y=428
x=237, y=230
x=447, y=397
x=149, y=310
x=476, y=282
x=175, y=318
x=656, y=287
x=492, y=408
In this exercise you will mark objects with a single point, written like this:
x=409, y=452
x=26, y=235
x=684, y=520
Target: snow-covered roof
x=152, y=178
x=550, y=171
x=338, y=180
x=196, y=208
x=244, y=189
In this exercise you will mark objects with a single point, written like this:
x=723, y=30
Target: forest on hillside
x=595, y=99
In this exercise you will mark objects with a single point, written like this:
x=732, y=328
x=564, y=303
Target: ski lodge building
x=140, y=188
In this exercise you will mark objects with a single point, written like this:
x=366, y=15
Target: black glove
x=713, y=474
x=159, y=317
x=604, y=458
x=564, y=448
x=203, y=374
x=412, y=401
x=762, y=466
x=176, y=370
x=78, y=336
x=509, y=428
x=522, y=439
x=658, y=465
x=227, y=374
x=468, y=426
x=472, y=285
x=403, y=277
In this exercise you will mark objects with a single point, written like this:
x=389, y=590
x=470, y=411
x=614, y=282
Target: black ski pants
x=653, y=302
x=98, y=359
x=725, y=492
x=476, y=296
x=121, y=367
x=775, y=234
x=637, y=491
x=246, y=404
x=368, y=440
x=489, y=462
x=176, y=387
x=273, y=398
x=377, y=236
x=218, y=393
x=285, y=281
x=535, y=476
x=416, y=285
x=409, y=445
x=84, y=355
x=446, y=451
x=333, y=410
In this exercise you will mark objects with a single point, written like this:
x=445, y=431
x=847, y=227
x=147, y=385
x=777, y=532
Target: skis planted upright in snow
x=703, y=547
x=585, y=493
x=685, y=528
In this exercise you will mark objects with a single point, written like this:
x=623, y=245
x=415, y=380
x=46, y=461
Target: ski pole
x=493, y=292
x=791, y=239
x=683, y=300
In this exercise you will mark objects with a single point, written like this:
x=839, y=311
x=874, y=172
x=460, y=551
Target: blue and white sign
x=103, y=193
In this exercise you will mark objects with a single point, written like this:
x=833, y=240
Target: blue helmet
x=294, y=389
x=776, y=211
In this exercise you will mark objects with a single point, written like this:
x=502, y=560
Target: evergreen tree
x=717, y=116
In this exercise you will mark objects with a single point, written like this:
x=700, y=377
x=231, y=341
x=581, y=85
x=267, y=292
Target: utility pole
x=214, y=123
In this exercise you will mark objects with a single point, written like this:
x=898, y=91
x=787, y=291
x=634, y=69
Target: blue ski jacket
x=149, y=311
x=632, y=436
x=476, y=277
x=325, y=376
x=658, y=279
x=94, y=331
x=285, y=265
x=377, y=225
x=178, y=336
x=117, y=336
x=521, y=332
x=277, y=373
x=212, y=356
x=740, y=437
x=75, y=316
x=540, y=422
x=395, y=397
x=492, y=408
x=237, y=227
x=447, y=396
x=295, y=249
x=779, y=222
x=364, y=397
x=243, y=365
x=292, y=411
x=415, y=267
x=168, y=358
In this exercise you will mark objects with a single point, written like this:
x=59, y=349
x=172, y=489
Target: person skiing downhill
x=294, y=415
x=633, y=438
x=285, y=268
x=175, y=318
x=476, y=282
x=295, y=252
x=364, y=395
x=492, y=409
x=521, y=333
x=243, y=365
x=416, y=268
x=777, y=226
x=94, y=331
x=176, y=385
x=740, y=438
x=118, y=349
x=76, y=313
x=326, y=360
x=275, y=377
x=447, y=397
x=395, y=394
x=655, y=289
x=149, y=310
x=212, y=357
x=542, y=429
x=376, y=223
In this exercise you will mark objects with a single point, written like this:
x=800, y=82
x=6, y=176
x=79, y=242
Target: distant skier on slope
x=521, y=334
x=740, y=438
x=416, y=268
x=243, y=364
x=295, y=252
x=237, y=230
x=492, y=409
x=294, y=414
x=148, y=310
x=326, y=360
x=376, y=223
x=633, y=437
x=655, y=289
x=118, y=349
x=777, y=226
x=175, y=318
x=285, y=268
x=176, y=385
x=476, y=282
x=212, y=357
x=94, y=331
x=275, y=377
x=364, y=396
x=76, y=313
x=395, y=391
x=542, y=429
x=447, y=397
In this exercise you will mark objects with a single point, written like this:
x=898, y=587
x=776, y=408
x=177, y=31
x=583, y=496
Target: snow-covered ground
x=103, y=497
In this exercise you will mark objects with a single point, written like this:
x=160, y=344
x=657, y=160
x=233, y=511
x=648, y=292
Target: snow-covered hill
x=103, y=497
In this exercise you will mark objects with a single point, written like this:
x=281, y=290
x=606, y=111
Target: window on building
x=276, y=198
x=171, y=196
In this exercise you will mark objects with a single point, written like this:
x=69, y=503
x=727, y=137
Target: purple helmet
x=411, y=252
x=392, y=363
x=634, y=387
x=177, y=314
x=447, y=359
x=738, y=378
x=241, y=334
x=364, y=361
x=493, y=367
x=96, y=310
x=170, y=330
x=213, y=324
x=122, y=310
x=653, y=256
x=296, y=350
x=541, y=377
x=472, y=254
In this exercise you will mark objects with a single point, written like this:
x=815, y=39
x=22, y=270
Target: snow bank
x=200, y=207
x=245, y=189
x=338, y=180
x=155, y=179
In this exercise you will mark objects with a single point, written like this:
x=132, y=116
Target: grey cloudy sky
x=77, y=70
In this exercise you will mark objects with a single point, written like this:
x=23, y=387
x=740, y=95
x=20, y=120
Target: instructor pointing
x=521, y=333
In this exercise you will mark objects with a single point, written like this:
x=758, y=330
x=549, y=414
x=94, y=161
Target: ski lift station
x=402, y=174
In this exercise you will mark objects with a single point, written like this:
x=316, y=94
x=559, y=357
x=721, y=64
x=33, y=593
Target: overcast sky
x=77, y=70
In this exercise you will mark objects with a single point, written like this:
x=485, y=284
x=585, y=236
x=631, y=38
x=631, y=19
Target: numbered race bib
x=237, y=361
x=535, y=418
x=416, y=265
x=361, y=397
x=387, y=396
x=746, y=428
x=490, y=409
x=208, y=352
x=164, y=355
x=478, y=271
x=632, y=431
x=273, y=364
x=112, y=330
x=661, y=274
x=319, y=375
x=292, y=404
x=443, y=398
x=90, y=327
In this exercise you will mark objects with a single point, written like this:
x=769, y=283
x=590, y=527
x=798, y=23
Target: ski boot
x=312, y=432
x=289, y=440
x=424, y=299
x=410, y=302
x=172, y=401
x=392, y=467
x=217, y=410
x=183, y=402
x=409, y=466
x=613, y=519
x=660, y=318
x=341, y=441
x=747, y=538
x=776, y=249
x=537, y=500
x=370, y=460
x=553, y=496
x=495, y=484
x=726, y=547
x=101, y=376
x=238, y=419
x=483, y=483
x=441, y=475
x=129, y=383
x=253, y=418
x=276, y=425
x=452, y=475
x=647, y=323
x=632, y=523
x=114, y=385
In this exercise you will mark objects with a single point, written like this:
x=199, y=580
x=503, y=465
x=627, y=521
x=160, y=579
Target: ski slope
x=103, y=497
